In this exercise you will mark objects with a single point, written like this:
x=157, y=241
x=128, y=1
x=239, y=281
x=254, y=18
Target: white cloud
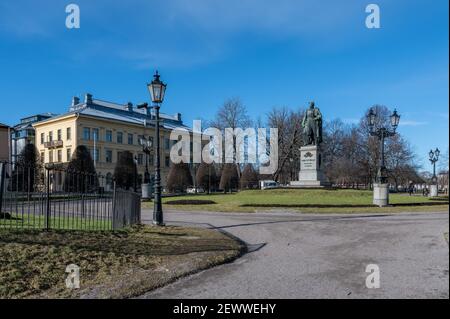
x=412, y=123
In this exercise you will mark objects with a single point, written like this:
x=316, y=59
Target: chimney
x=75, y=100
x=88, y=98
x=178, y=117
x=129, y=107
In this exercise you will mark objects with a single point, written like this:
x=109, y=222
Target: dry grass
x=112, y=265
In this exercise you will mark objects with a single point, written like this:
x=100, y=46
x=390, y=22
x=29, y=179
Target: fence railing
x=53, y=197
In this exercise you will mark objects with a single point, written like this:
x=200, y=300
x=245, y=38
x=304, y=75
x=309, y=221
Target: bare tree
x=232, y=114
x=288, y=124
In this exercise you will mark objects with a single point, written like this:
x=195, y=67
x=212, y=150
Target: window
x=59, y=135
x=43, y=157
x=130, y=139
x=119, y=137
x=167, y=161
x=86, y=133
x=42, y=138
x=59, y=156
x=69, y=154
x=108, y=156
x=50, y=136
x=50, y=156
x=167, y=143
x=140, y=159
x=95, y=155
x=95, y=134
x=150, y=159
x=119, y=155
x=69, y=133
x=108, y=136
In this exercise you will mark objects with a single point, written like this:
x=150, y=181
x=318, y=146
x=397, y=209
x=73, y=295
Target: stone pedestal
x=381, y=194
x=311, y=174
x=147, y=191
x=433, y=190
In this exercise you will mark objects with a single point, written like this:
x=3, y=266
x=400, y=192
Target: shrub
x=229, y=178
x=179, y=178
x=81, y=176
x=125, y=172
x=28, y=171
x=206, y=177
x=249, y=178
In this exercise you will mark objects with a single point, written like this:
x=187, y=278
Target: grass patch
x=112, y=264
x=311, y=201
x=190, y=202
x=36, y=221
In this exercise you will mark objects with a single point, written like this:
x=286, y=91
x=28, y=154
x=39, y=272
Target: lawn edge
x=243, y=250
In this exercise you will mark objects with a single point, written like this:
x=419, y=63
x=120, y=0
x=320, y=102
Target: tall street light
x=381, y=191
x=157, y=90
x=147, y=145
x=434, y=157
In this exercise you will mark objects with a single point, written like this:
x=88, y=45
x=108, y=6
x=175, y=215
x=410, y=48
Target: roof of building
x=27, y=122
x=4, y=125
x=120, y=112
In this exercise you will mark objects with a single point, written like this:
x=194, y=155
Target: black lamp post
x=157, y=90
x=434, y=157
x=147, y=145
x=381, y=133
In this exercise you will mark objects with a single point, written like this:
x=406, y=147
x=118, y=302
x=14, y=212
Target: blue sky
x=268, y=53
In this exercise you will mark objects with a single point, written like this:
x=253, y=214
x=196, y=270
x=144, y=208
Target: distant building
x=106, y=129
x=4, y=142
x=24, y=133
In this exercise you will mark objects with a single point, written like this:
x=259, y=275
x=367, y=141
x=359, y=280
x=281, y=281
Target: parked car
x=268, y=184
x=195, y=190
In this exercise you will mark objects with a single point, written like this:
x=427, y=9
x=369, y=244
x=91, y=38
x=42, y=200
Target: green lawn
x=33, y=221
x=308, y=200
x=116, y=264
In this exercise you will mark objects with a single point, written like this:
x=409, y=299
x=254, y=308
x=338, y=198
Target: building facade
x=24, y=133
x=106, y=129
x=4, y=143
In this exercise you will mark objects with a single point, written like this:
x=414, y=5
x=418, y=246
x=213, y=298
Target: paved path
x=322, y=256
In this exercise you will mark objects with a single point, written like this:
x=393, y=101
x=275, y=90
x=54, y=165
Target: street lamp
x=381, y=191
x=157, y=91
x=434, y=157
x=147, y=145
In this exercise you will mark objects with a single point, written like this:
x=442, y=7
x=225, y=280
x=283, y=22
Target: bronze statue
x=312, y=126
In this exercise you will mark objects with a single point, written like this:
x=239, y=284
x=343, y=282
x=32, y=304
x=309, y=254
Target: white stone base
x=433, y=191
x=146, y=191
x=381, y=194
x=309, y=184
x=310, y=175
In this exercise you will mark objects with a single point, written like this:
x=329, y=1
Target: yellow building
x=106, y=129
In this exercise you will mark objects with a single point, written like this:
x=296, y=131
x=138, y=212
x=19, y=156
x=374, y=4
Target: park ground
x=301, y=244
x=292, y=255
x=112, y=265
x=304, y=201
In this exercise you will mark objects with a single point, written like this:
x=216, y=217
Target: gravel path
x=321, y=256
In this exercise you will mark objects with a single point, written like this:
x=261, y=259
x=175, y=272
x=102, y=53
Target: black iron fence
x=52, y=197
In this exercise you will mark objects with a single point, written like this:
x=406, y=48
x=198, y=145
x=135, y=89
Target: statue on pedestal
x=312, y=126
